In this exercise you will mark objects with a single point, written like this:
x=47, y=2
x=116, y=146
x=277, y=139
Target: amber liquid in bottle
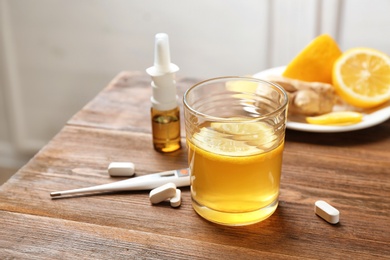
x=166, y=130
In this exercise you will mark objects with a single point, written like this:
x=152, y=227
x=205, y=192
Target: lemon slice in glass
x=253, y=133
x=219, y=143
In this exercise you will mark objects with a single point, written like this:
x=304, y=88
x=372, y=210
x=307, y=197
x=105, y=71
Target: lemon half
x=315, y=62
x=361, y=76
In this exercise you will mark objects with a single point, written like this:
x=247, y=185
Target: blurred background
x=57, y=55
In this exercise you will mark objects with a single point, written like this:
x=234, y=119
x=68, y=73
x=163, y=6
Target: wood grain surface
x=350, y=170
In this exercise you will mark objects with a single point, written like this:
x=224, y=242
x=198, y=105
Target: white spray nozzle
x=164, y=86
x=162, y=57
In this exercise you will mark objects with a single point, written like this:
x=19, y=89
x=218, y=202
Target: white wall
x=56, y=55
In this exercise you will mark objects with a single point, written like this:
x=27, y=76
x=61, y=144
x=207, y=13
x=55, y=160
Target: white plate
x=371, y=117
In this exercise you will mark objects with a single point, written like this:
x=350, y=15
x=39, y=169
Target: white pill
x=176, y=201
x=164, y=192
x=121, y=169
x=326, y=211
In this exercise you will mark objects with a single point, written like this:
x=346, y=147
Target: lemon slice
x=242, y=86
x=315, y=62
x=336, y=118
x=248, y=128
x=254, y=133
x=361, y=76
x=218, y=143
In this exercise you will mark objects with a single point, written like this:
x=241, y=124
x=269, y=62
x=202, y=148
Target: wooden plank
x=125, y=104
x=353, y=180
x=36, y=237
x=349, y=170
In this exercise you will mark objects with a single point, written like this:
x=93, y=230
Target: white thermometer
x=148, y=182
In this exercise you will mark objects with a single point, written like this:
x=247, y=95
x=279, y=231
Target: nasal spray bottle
x=165, y=113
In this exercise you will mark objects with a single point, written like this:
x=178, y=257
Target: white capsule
x=121, y=169
x=176, y=201
x=164, y=192
x=326, y=211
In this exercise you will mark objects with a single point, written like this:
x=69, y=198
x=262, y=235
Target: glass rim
x=275, y=85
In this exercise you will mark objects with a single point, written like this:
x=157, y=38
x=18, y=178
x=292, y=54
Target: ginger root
x=307, y=98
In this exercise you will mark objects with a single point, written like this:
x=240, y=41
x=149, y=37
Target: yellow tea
x=235, y=129
x=235, y=172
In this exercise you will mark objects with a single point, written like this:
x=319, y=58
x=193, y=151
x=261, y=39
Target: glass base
x=235, y=219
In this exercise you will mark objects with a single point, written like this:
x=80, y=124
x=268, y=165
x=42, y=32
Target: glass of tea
x=235, y=128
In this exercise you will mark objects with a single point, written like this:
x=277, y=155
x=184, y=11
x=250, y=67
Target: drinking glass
x=235, y=128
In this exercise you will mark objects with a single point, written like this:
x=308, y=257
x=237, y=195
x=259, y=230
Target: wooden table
x=350, y=170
